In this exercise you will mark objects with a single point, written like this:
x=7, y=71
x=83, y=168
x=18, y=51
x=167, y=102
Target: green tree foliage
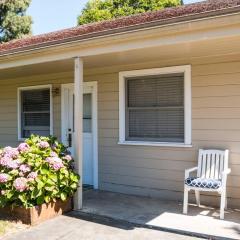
x=14, y=23
x=99, y=10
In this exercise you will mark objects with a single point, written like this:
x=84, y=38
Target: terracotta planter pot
x=38, y=214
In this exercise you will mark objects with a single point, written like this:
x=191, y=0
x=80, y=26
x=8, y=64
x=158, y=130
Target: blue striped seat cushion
x=203, y=183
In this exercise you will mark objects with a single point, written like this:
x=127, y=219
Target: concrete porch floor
x=164, y=215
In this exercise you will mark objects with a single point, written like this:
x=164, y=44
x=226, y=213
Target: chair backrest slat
x=208, y=168
x=221, y=165
x=211, y=163
x=217, y=167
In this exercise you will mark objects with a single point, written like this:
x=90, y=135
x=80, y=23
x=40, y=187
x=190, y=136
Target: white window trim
x=186, y=69
x=19, y=107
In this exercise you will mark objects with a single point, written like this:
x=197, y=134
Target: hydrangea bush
x=37, y=171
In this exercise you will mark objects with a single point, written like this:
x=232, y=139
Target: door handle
x=69, y=138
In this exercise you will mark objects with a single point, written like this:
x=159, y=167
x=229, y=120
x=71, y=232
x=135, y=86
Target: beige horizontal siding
x=108, y=115
x=159, y=171
x=216, y=113
x=144, y=170
x=221, y=80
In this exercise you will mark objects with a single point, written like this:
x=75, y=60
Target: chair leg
x=197, y=195
x=223, y=199
x=185, y=201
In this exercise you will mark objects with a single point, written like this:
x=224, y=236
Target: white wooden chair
x=212, y=171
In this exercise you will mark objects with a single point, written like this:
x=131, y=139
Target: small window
x=155, y=106
x=87, y=113
x=35, y=111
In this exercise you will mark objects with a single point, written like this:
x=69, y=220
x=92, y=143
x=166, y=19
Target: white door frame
x=93, y=86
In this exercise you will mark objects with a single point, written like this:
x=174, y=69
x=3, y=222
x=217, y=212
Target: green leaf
x=53, y=177
x=44, y=171
x=64, y=182
x=36, y=193
x=63, y=196
x=55, y=192
x=64, y=171
x=9, y=194
x=74, y=186
x=74, y=177
x=3, y=201
x=47, y=199
x=14, y=172
x=50, y=189
x=23, y=198
x=40, y=200
x=50, y=182
x=40, y=184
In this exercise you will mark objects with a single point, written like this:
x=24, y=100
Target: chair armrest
x=226, y=172
x=188, y=171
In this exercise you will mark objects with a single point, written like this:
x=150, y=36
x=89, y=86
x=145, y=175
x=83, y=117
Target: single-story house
x=134, y=98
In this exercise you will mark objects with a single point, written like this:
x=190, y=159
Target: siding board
x=216, y=113
x=230, y=79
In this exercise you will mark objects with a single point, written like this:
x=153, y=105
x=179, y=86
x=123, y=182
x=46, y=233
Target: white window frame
x=186, y=69
x=20, y=89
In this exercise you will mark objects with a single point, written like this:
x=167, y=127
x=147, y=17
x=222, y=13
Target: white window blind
x=35, y=112
x=155, y=108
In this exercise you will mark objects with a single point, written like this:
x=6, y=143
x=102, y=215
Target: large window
x=155, y=106
x=34, y=111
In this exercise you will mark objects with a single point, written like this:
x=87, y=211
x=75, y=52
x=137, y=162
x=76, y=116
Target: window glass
x=35, y=112
x=87, y=113
x=155, y=108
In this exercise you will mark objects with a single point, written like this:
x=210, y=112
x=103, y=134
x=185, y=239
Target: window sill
x=155, y=144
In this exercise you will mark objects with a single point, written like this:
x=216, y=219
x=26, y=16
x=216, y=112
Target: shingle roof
x=211, y=7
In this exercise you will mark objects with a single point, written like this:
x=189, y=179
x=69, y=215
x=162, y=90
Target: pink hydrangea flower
x=49, y=159
x=8, y=162
x=20, y=184
x=68, y=158
x=4, y=177
x=13, y=164
x=7, y=149
x=43, y=144
x=23, y=147
x=57, y=165
x=25, y=168
x=53, y=159
x=53, y=154
x=55, y=162
x=11, y=152
x=18, y=161
x=32, y=176
x=4, y=161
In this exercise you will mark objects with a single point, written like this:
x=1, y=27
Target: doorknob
x=69, y=137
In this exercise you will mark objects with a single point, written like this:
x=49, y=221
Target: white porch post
x=78, y=120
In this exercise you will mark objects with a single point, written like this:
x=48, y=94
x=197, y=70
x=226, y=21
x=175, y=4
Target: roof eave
x=127, y=29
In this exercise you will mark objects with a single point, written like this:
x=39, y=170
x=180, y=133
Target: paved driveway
x=66, y=227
